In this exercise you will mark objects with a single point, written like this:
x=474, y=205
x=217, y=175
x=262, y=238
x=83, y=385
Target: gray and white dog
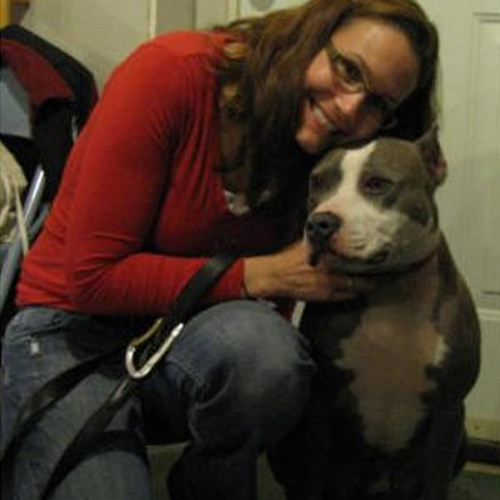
x=386, y=420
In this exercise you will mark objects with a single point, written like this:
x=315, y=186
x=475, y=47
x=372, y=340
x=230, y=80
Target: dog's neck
x=407, y=269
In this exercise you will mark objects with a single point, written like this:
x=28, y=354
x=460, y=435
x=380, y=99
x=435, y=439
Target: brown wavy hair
x=262, y=74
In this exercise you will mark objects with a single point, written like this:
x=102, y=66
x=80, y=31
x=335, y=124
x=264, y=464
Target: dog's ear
x=430, y=150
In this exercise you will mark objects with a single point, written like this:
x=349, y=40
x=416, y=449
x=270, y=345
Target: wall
x=100, y=33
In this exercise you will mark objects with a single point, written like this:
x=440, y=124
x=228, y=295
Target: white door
x=470, y=199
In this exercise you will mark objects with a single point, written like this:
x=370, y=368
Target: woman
x=203, y=142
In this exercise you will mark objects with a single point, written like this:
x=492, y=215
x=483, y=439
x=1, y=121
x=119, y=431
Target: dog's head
x=371, y=208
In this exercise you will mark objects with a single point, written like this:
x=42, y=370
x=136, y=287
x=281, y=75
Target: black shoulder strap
x=60, y=386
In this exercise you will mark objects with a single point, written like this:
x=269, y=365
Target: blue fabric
x=234, y=383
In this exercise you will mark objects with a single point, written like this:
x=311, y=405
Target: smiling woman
x=356, y=83
x=297, y=100
x=189, y=123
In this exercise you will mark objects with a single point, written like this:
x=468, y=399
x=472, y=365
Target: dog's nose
x=322, y=225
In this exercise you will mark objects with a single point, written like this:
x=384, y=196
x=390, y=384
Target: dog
x=386, y=418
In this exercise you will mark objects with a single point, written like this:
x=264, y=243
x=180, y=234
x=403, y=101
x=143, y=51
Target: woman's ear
x=432, y=154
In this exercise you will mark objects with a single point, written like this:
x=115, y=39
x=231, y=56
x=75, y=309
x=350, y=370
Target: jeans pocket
x=35, y=347
x=36, y=321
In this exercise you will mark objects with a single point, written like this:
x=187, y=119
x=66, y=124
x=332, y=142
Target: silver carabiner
x=141, y=372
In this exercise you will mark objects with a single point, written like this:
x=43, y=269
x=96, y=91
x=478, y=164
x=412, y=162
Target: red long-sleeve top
x=141, y=205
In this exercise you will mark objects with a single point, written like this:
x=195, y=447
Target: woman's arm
x=124, y=159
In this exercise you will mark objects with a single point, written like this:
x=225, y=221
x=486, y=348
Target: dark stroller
x=46, y=98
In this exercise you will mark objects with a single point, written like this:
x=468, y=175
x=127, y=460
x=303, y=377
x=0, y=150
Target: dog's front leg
x=438, y=459
x=299, y=462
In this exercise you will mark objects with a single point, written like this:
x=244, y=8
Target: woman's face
x=351, y=88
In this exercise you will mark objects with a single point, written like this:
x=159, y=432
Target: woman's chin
x=311, y=143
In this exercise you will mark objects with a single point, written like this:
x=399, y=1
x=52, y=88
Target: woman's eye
x=377, y=185
x=349, y=72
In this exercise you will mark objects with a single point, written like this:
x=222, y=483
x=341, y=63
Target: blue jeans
x=233, y=384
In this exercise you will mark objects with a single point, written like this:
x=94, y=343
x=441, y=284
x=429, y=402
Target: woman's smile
x=321, y=117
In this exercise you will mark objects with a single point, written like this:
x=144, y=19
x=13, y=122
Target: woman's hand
x=287, y=274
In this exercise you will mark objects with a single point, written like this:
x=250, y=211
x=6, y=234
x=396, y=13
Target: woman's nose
x=350, y=104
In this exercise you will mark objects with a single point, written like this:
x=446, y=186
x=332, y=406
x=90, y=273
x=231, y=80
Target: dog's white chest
x=389, y=357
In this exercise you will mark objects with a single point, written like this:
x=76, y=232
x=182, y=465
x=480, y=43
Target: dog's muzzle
x=319, y=229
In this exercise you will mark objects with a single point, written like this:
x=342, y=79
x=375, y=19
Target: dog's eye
x=377, y=185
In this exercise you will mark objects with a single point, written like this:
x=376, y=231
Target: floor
x=477, y=482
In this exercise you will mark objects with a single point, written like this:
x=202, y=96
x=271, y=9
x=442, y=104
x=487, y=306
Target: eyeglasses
x=352, y=80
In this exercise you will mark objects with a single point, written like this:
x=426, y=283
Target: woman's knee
x=244, y=355
x=245, y=336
